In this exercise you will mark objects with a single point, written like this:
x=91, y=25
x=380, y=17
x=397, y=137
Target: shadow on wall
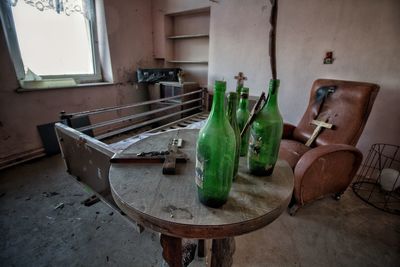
x=383, y=126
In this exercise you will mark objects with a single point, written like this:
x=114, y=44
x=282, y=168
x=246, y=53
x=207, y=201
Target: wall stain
x=178, y=213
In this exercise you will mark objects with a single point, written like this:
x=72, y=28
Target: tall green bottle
x=239, y=88
x=266, y=135
x=231, y=114
x=242, y=115
x=215, y=153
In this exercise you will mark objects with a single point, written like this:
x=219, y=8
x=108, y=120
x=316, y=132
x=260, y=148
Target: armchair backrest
x=347, y=109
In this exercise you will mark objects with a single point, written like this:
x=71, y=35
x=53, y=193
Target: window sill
x=48, y=87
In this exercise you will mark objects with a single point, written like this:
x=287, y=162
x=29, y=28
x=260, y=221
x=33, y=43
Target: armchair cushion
x=288, y=130
x=292, y=151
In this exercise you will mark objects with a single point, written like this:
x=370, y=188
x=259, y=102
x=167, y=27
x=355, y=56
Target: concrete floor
x=34, y=233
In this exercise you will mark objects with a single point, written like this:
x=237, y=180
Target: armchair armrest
x=325, y=170
x=288, y=130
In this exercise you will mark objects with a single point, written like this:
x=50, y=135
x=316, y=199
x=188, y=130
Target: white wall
x=364, y=35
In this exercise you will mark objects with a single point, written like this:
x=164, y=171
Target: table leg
x=172, y=250
x=201, y=248
x=222, y=252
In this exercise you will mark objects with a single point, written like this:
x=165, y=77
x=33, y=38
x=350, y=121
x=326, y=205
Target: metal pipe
x=135, y=116
x=122, y=130
x=200, y=116
x=102, y=110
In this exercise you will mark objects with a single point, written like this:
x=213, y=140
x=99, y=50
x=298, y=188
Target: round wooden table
x=169, y=203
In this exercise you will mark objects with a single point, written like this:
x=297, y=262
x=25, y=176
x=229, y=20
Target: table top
x=169, y=203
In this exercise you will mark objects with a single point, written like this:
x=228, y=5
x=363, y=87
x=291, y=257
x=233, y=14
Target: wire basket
x=378, y=181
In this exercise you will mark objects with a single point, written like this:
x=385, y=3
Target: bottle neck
x=273, y=93
x=231, y=112
x=239, y=87
x=218, y=109
x=244, y=101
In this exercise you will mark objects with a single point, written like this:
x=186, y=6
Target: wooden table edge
x=200, y=231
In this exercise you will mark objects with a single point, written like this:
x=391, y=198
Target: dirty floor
x=43, y=223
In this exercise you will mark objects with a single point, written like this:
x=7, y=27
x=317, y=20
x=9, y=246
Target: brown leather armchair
x=328, y=166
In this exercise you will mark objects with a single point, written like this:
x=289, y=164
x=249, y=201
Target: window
x=52, y=43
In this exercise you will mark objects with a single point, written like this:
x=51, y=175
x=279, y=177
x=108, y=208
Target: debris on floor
x=90, y=201
x=59, y=206
x=50, y=194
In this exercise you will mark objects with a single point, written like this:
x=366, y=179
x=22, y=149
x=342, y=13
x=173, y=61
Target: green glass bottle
x=242, y=115
x=215, y=153
x=266, y=135
x=231, y=114
x=238, y=90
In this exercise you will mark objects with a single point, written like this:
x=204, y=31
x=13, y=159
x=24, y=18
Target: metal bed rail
x=142, y=119
x=115, y=108
x=142, y=124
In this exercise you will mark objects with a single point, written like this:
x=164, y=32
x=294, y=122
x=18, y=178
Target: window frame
x=10, y=33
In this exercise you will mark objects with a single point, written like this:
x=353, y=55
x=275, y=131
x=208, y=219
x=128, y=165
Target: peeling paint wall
x=364, y=35
x=129, y=28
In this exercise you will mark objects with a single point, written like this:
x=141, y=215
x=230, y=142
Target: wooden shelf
x=188, y=61
x=187, y=36
x=190, y=12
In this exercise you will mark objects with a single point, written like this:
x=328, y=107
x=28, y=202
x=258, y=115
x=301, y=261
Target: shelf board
x=190, y=12
x=189, y=61
x=187, y=36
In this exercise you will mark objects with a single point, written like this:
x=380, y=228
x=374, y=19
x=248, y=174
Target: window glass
x=53, y=43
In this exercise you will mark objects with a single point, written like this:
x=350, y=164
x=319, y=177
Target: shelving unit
x=187, y=43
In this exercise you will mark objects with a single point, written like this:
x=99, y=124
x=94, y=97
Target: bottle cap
x=220, y=85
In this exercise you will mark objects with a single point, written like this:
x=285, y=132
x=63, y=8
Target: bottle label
x=199, y=173
x=255, y=144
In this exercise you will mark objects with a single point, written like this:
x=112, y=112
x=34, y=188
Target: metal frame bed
x=87, y=150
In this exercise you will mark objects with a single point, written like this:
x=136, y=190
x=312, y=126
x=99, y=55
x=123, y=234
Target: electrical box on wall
x=157, y=75
x=328, y=59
